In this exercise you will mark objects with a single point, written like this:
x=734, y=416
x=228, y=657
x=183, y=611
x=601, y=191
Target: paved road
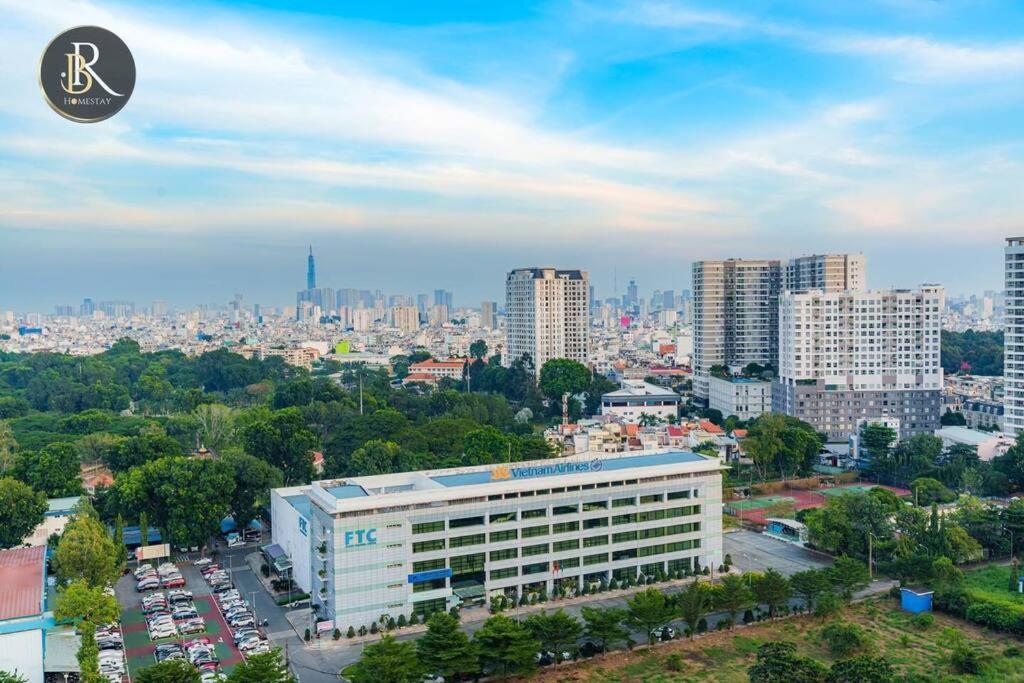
x=754, y=552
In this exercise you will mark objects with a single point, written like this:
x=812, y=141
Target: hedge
x=996, y=617
x=287, y=600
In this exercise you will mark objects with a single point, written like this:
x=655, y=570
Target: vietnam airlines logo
x=87, y=74
x=500, y=472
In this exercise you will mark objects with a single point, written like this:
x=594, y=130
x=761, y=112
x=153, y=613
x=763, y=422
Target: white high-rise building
x=735, y=306
x=547, y=312
x=1013, y=346
x=848, y=356
x=405, y=318
x=489, y=315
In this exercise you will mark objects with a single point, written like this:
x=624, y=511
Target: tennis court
x=756, y=510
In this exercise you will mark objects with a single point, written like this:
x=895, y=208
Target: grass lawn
x=724, y=657
x=993, y=583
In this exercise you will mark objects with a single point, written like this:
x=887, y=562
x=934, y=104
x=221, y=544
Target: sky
x=423, y=145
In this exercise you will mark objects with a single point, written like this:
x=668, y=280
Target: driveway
x=751, y=551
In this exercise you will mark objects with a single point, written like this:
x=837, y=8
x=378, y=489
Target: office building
x=310, y=270
x=637, y=398
x=405, y=318
x=489, y=315
x=547, y=315
x=1013, y=344
x=421, y=542
x=847, y=356
x=735, y=307
x=745, y=397
x=443, y=298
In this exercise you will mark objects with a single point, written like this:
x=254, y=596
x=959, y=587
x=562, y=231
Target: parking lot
x=137, y=643
x=756, y=552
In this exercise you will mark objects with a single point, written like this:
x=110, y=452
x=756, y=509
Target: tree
x=604, y=625
x=265, y=667
x=731, y=596
x=927, y=491
x=86, y=552
x=253, y=479
x=843, y=639
x=87, y=606
x=216, y=425
x=380, y=457
x=951, y=419
x=8, y=447
x=876, y=439
x=445, y=649
x=694, y=602
x=648, y=610
x=772, y=589
x=848, y=576
x=808, y=585
x=143, y=529
x=505, y=647
x=478, y=349
x=285, y=442
x=15, y=677
x=167, y=671
x=120, y=556
x=556, y=632
x=561, y=376
x=861, y=669
x=54, y=470
x=387, y=661
x=21, y=511
x=778, y=662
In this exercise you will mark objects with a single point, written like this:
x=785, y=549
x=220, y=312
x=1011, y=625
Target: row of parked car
x=167, y=575
x=199, y=653
x=244, y=630
x=111, y=652
x=171, y=614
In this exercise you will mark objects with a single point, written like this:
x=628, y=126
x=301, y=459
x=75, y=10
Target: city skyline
x=597, y=135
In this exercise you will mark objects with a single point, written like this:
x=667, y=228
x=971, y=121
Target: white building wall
x=292, y=532
x=23, y=652
x=1013, y=347
x=745, y=400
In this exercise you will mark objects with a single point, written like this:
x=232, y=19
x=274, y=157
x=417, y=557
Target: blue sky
x=420, y=145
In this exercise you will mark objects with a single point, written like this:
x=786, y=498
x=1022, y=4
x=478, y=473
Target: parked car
x=147, y=584
x=168, y=651
x=243, y=633
x=244, y=620
x=664, y=633
x=202, y=562
x=173, y=582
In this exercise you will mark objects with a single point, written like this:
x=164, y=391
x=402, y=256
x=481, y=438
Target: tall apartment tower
x=489, y=315
x=547, y=315
x=735, y=316
x=736, y=306
x=828, y=272
x=853, y=356
x=1013, y=347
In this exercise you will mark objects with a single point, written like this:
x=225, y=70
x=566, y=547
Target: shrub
x=351, y=633
x=265, y=570
x=674, y=662
x=306, y=636
x=1011, y=652
x=964, y=659
x=374, y=628
x=454, y=612
x=401, y=621
x=702, y=625
x=414, y=619
x=337, y=634
x=995, y=616
x=923, y=621
x=362, y=630
x=748, y=617
x=392, y=624
x=842, y=638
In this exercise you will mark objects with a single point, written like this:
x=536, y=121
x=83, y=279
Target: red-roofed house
x=424, y=377
x=711, y=427
x=22, y=619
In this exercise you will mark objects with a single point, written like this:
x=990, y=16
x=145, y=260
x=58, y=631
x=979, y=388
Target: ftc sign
x=360, y=537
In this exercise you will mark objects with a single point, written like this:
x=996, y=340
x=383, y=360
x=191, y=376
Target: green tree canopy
x=772, y=589
x=731, y=596
x=505, y=647
x=167, y=671
x=21, y=511
x=387, y=661
x=86, y=552
x=265, y=667
x=649, y=610
x=604, y=625
x=563, y=376
x=445, y=648
x=556, y=632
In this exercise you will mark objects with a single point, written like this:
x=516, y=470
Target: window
x=502, y=517
x=563, y=527
x=507, y=554
x=539, y=549
x=626, y=554
x=538, y=568
x=571, y=544
x=507, y=535
x=624, y=519
x=623, y=502
x=427, y=607
x=428, y=527
x=595, y=505
x=505, y=573
x=676, y=495
x=461, y=541
x=427, y=565
x=655, y=498
x=465, y=521
x=593, y=541
x=648, y=550
x=424, y=586
x=427, y=546
x=565, y=509
x=624, y=536
x=534, y=531
x=464, y=564
x=595, y=523
x=534, y=514
x=568, y=563
x=599, y=558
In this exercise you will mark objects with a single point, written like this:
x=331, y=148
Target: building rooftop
x=347, y=491
x=300, y=502
x=21, y=582
x=637, y=389
x=966, y=435
x=61, y=506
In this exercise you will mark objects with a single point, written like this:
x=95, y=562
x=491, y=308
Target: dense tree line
x=972, y=351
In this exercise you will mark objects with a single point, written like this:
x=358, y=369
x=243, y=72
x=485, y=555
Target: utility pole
x=360, y=391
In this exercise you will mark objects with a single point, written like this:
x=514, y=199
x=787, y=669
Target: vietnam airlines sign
x=502, y=472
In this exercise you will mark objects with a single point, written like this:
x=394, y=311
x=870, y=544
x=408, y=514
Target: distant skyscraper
x=1013, y=361
x=547, y=315
x=668, y=300
x=311, y=270
x=443, y=298
x=829, y=272
x=159, y=309
x=632, y=294
x=87, y=307
x=488, y=315
x=421, y=304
